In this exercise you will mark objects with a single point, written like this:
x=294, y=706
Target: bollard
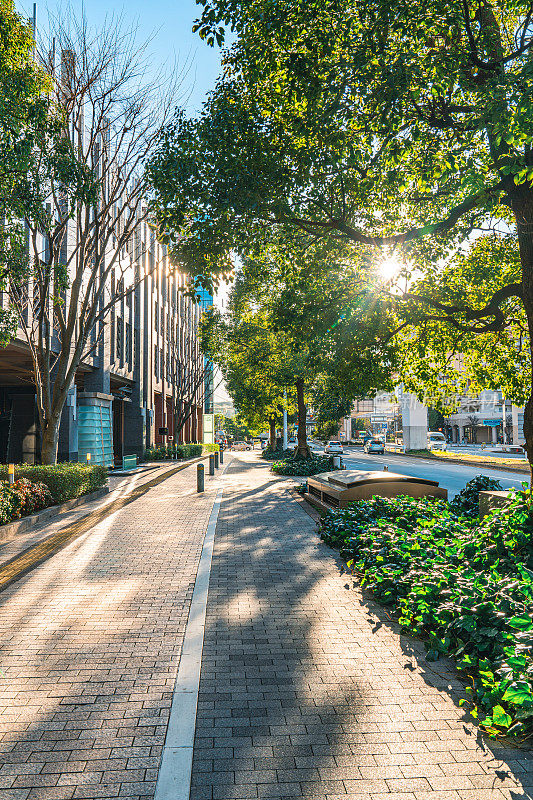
x=11, y=474
x=221, y=455
x=216, y=459
x=211, y=464
x=200, y=478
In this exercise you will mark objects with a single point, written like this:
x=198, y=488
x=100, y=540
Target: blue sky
x=170, y=23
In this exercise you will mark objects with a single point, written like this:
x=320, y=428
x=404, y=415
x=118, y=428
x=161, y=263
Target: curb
x=480, y=463
x=9, y=531
x=24, y=562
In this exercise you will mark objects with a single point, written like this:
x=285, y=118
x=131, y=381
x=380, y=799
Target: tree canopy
x=376, y=124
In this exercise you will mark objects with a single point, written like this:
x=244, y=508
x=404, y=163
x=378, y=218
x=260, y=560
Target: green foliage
x=440, y=359
x=180, y=451
x=276, y=455
x=464, y=585
x=65, y=481
x=467, y=501
x=10, y=504
x=33, y=495
x=22, y=498
x=303, y=466
x=380, y=125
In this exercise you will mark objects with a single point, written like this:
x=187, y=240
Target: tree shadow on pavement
x=302, y=695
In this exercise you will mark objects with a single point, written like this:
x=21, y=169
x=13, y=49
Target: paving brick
x=353, y=709
x=307, y=689
x=90, y=643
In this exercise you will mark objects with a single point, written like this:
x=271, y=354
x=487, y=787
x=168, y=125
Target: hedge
x=22, y=498
x=464, y=585
x=276, y=455
x=180, y=451
x=303, y=466
x=65, y=481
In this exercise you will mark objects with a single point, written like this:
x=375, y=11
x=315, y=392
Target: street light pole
x=504, y=436
x=285, y=441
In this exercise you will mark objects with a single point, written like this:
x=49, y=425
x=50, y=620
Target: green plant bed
x=464, y=585
x=65, y=481
x=303, y=466
x=276, y=455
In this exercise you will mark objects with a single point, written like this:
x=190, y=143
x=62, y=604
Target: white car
x=436, y=441
x=334, y=447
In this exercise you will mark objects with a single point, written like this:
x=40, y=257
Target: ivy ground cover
x=464, y=585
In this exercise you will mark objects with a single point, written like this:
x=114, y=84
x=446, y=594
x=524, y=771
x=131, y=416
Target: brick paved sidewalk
x=308, y=691
x=89, y=649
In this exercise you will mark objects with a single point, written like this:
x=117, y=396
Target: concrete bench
x=339, y=489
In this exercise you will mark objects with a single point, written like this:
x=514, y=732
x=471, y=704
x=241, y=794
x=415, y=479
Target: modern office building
x=142, y=385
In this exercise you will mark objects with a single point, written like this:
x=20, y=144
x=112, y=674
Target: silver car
x=334, y=448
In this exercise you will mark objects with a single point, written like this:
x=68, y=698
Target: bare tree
x=193, y=374
x=84, y=203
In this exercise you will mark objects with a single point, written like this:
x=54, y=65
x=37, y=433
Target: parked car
x=291, y=444
x=436, y=441
x=333, y=448
x=241, y=446
x=374, y=446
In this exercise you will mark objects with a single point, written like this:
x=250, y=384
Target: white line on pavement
x=174, y=779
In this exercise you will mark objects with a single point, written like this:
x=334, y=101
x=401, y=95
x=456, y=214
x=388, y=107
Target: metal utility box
x=340, y=488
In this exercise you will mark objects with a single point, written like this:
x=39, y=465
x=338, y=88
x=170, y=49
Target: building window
x=128, y=345
x=112, y=339
x=156, y=316
x=162, y=364
x=156, y=363
x=119, y=353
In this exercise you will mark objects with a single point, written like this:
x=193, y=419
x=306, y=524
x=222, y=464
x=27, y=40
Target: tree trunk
x=272, y=433
x=50, y=440
x=302, y=450
x=522, y=205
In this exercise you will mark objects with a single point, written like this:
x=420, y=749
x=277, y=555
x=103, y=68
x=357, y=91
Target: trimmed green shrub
x=467, y=501
x=23, y=498
x=211, y=448
x=33, y=496
x=10, y=504
x=303, y=466
x=465, y=585
x=276, y=455
x=180, y=451
x=65, y=481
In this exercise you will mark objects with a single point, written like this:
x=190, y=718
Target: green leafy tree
x=24, y=109
x=440, y=359
x=252, y=361
x=383, y=124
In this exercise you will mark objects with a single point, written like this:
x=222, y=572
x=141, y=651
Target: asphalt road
x=451, y=476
